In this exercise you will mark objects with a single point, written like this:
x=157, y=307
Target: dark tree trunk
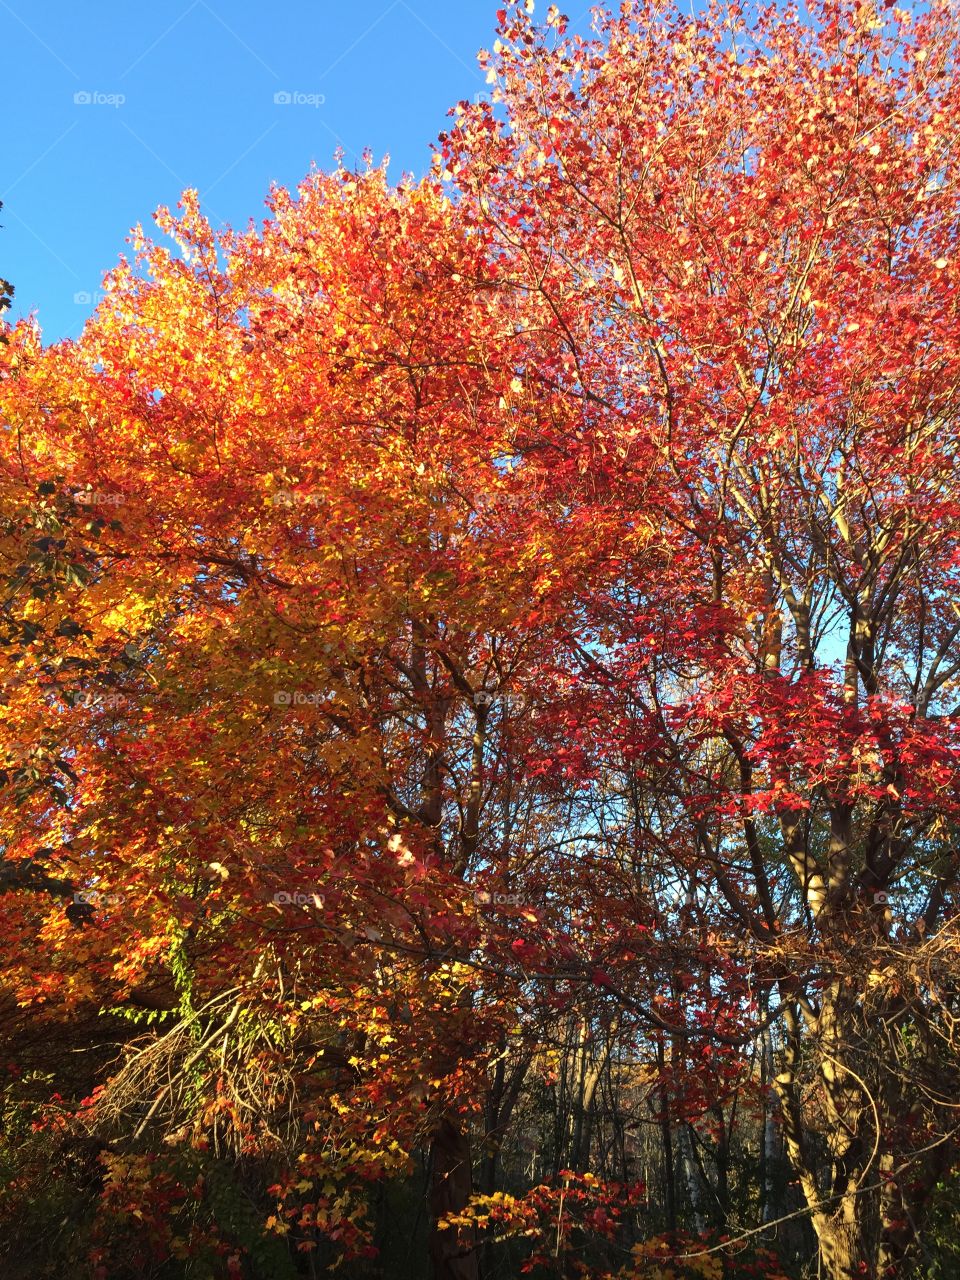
x=453, y=1253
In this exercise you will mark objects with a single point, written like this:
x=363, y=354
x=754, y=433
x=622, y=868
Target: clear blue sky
x=197, y=79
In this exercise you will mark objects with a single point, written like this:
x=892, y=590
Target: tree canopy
x=480, y=670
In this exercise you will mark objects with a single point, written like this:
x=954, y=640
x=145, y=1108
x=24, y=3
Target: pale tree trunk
x=694, y=1181
x=591, y=1074
x=768, y=1153
x=839, y=1213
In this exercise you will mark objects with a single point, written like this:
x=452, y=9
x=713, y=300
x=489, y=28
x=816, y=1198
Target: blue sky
x=119, y=106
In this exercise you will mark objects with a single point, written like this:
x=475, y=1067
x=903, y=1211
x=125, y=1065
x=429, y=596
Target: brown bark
x=453, y=1252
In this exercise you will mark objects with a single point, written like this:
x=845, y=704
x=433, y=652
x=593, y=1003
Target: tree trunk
x=693, y=1180
x=453, y=1253
x=666, y=1136
x=504, y=1095
x=768, y=1148
x=840, y=1217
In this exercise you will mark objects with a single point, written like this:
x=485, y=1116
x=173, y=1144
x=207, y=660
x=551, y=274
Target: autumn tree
x=741, y=228
x=298, y=800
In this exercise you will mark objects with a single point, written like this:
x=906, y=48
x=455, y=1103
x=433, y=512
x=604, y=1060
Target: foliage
x=480, y=669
